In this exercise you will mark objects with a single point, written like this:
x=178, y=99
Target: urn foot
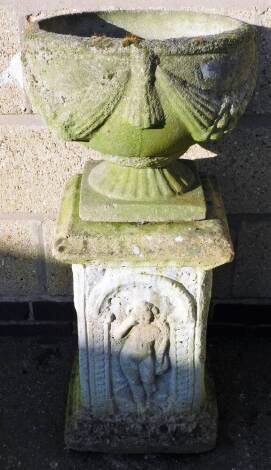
x=115, y=193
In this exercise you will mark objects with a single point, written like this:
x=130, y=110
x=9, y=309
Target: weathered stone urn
x=141, y=228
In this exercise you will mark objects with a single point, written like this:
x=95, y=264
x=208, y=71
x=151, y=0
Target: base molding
x=133, y=435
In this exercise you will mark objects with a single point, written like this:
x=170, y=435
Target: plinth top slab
x=204, y=244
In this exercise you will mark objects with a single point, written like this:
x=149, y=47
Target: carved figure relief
x=144, y=353
x=140, y=343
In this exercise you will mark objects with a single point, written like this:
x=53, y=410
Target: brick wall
x=34, y=165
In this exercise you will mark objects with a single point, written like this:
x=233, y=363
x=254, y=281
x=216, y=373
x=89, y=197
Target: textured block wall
x=34, y=165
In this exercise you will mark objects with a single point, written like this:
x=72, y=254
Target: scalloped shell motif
x=80, y=92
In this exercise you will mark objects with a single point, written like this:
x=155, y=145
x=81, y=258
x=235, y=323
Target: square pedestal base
x=149, y=434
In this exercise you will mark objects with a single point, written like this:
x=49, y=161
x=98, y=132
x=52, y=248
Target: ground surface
x=34, y=376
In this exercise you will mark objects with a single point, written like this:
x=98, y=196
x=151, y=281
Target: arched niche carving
x=108, y=305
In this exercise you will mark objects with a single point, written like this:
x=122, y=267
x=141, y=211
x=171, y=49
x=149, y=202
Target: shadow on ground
x=34, y=379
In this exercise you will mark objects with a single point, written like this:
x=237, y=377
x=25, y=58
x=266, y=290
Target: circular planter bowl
x=141, y=86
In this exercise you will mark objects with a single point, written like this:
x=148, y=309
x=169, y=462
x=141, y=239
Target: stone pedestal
x=142, y=295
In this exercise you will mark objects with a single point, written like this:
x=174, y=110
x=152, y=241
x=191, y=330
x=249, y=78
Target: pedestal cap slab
x=204, y=244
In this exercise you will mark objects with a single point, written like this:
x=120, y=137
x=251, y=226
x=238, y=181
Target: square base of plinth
x=136, y=434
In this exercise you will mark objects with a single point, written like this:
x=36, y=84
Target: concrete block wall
x=34, y=165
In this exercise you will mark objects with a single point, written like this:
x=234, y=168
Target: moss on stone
x=204, y=243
